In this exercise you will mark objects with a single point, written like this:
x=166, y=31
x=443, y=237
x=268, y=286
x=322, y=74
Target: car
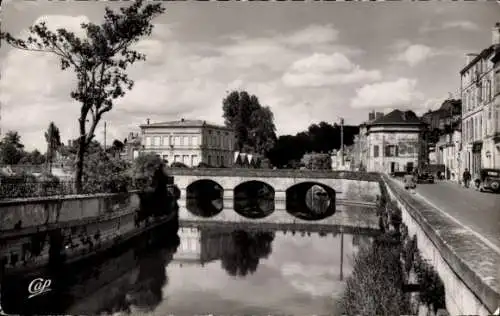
x=425, y=177
x=489, y=180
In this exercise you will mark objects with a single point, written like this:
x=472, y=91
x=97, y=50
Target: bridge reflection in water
x=212, y=268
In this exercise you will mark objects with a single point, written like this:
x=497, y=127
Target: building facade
x=189, y=142
x=480, y=91
x=395, y=142
x=360, y=148
x=448, y=152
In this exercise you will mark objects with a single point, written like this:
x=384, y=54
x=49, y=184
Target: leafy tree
x=104, y=174
x=99, y=61
x=11, y=148
x=32, y=158
x=53, y=139
x=317, y=161
x=253, y=124
x=145, y=168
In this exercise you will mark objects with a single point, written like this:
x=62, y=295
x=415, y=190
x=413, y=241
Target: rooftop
x=398, y=117
x=184, y=123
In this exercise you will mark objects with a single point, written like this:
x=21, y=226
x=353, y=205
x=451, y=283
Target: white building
x=190, y=142
x=394, y=142
x=449, y=152
x=480, y=92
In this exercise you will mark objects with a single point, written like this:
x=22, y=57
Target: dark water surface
x=203, y=269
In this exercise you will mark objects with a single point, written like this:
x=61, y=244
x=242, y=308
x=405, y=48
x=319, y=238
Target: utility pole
x=342, y=142
x=104, y=136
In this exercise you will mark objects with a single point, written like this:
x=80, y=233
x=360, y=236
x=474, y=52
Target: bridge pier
x=280, y=200
x=228, y=199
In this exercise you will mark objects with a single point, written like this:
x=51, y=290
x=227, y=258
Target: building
x=395, y=142
x=132, y=146
x=443, y=127
x=480, y=88
x=190, y=142
x=360, y=148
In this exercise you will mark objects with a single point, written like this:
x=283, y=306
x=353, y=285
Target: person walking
x=466, y=177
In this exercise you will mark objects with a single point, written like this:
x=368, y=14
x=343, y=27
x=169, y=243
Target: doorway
x=393, y=167
x=409, y=166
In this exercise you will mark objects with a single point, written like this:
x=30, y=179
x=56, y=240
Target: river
x=205, y=269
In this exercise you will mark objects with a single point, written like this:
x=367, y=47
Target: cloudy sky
x=308, y=61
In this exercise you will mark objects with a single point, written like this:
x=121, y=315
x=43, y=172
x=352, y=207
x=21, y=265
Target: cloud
x=448, y=25
x=415, y=54
x=181, y=78
x=390, y=94
x=325, y=70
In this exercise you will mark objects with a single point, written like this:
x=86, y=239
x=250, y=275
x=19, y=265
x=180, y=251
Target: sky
x=309, y=62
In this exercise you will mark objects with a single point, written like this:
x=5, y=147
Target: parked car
x=425, y=177
x=489, y=180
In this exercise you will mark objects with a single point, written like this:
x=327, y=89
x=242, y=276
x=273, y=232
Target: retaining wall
x=467, y=266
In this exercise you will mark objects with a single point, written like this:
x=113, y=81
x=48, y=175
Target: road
x=476, y=210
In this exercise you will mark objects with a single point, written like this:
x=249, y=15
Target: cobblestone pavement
x=476, y=210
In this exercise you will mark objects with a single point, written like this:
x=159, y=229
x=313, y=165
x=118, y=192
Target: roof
x=185, y=123
x=485, y=52
x=398, y=117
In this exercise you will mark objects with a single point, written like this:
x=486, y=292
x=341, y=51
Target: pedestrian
x=410, y=181
x=466, y=177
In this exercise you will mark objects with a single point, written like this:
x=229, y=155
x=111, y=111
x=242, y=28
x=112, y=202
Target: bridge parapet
x=466, y=265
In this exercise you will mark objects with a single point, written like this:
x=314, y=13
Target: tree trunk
x=80, y=158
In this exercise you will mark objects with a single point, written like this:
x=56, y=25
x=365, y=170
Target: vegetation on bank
x=102, y=174
x=391, y=277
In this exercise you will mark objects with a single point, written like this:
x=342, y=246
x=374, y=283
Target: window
x=165, y=158
x=157, y=141
x=177, y=158
x=218, y=161
x=177, y=140
x=375, y=151
x=186, y=141
x=194, y=160
x=391, y=151
x=497, y=82
x=185, y=159
x=165, y=141
x=209, y=160
x=148, y=141
x=194, y=140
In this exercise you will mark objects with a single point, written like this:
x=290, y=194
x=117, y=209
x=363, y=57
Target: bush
x=316, y=161
x=105, y=174
x=178, y=165
x=148, y=170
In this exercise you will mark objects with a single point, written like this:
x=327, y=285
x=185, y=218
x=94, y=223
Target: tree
x=11, y=148
x=253, y=124
x=53, y=139
x=32, y=158
x=99, y=61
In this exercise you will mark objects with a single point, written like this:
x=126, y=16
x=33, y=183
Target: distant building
x=360, y=148
x=131, y=146
x=190, y=142
x=480, y=92
x=394, y=142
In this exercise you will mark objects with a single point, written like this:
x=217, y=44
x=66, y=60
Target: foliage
x=105, y=174
x=116, y=147
x=32, y=158
x=319, y=138
x=11, y=148
x=146, y=169
x=178, y=164
x=204, y=165
x=99, y=61
x=253, y=124
x=53, y=139
x=316, y=161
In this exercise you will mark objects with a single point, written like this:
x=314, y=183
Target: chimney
x=147, y=121
x=371, y=116
x=496, y=34
x=469, y=57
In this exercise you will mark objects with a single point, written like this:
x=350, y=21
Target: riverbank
x=390, y=277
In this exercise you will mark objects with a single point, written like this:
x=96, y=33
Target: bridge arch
x=204, y=198
x=254, y=199
x=310, y=200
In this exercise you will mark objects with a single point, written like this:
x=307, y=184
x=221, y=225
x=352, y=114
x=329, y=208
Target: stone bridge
x=351, y=196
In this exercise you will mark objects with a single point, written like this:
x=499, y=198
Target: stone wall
x=24, y=213
x=467, y=267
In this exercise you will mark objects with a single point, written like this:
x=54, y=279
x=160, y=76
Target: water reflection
x=210, y=268
x=254, y=199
